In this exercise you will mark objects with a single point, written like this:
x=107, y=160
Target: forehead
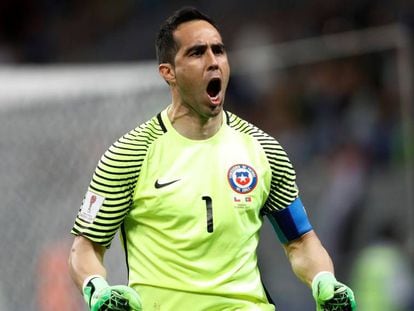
x=196, y=32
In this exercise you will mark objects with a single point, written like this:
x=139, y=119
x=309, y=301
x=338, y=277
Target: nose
x=212, y=60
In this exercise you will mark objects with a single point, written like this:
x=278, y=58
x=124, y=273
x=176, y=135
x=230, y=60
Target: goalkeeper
x=188, y=191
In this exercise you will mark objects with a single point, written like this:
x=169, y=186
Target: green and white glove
x=331, y=295
x=99, y=296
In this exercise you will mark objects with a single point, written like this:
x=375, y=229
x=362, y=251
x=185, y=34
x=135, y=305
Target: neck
x=191, y=124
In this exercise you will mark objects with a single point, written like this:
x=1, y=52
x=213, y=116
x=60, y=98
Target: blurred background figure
x=340, y=204
x=382, y=274
x=55, y=288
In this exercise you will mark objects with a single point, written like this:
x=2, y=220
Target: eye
x=197, y=52
x=218, y=49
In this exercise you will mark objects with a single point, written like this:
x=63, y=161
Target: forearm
x=86, y=258
x=307, y=257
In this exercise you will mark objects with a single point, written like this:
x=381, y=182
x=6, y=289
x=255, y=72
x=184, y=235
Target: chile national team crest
x=242, y=178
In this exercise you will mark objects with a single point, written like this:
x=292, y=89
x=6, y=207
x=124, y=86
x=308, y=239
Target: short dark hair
x=165, y=45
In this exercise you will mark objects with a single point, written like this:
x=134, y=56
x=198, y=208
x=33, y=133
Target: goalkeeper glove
x=331, y=295
x=101, y=297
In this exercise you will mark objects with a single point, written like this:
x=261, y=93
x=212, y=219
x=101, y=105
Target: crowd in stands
x=49, y=31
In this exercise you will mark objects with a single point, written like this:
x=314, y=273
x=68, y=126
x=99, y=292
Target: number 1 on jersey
x=209, y=208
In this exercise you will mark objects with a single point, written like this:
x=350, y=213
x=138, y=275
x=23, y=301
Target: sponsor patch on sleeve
x=90, y=207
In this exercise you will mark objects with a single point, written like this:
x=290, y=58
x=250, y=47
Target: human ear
x=166, y=71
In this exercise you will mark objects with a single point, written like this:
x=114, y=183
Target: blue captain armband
x=291, y=222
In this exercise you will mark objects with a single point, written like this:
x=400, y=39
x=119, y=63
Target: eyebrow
x=203, y=47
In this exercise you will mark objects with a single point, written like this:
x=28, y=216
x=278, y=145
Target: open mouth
x=214, y=87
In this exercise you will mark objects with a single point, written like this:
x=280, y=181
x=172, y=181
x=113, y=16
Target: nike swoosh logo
x=158, y=185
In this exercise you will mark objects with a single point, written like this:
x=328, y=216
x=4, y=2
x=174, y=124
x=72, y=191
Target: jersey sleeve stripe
x=110, y=166
x=128, y=148
x=108, y=217
x=104, y=229
x=107, y=190
x=117, y=178
x=125, y=156
x=108, y=210
x=97, y=174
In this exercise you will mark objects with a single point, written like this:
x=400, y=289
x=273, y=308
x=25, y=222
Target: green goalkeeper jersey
x=189, y=211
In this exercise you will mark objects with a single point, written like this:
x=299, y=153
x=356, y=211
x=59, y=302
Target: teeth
x=215, y=99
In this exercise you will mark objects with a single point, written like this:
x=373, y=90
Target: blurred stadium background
x=332, y=80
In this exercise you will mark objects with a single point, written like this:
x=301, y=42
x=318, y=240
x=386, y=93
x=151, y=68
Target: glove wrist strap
x=319, y=275
x=92, y=284
x=89, y=279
